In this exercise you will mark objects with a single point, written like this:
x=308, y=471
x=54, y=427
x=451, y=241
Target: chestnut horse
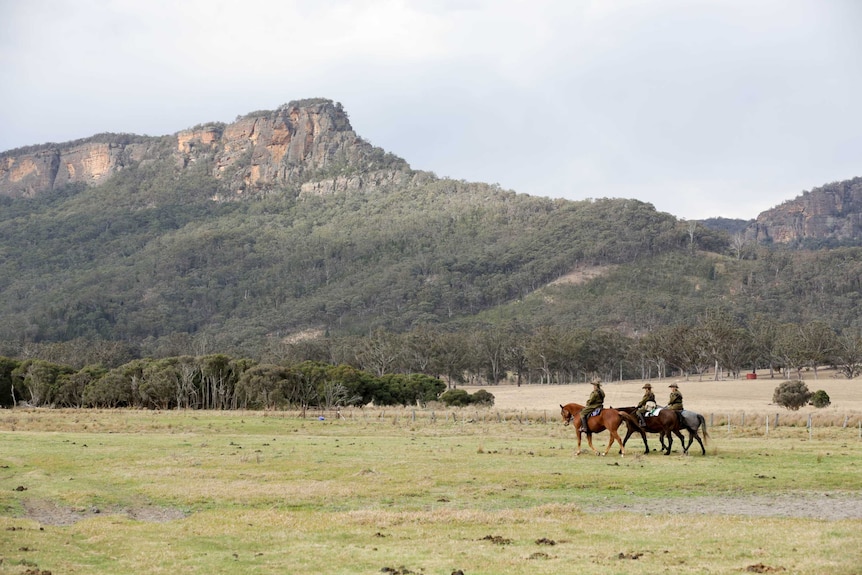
x=666, y=423
x=608, y=418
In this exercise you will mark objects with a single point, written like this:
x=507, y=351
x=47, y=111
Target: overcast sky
x=702, y=108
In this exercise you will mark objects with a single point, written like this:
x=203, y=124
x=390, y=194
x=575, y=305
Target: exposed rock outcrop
x=309, y=143
x=832, y=212
x=54, y=166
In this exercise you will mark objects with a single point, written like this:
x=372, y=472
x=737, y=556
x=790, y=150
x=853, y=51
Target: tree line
x=215, y=381
x=418, y=366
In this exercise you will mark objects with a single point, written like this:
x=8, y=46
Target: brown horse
x=608, y=418
x=666, y=423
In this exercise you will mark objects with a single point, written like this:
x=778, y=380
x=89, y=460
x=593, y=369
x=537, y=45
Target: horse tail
x=630, y=420
x=702, y=423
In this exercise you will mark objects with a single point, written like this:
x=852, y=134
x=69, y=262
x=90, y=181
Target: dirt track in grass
x=824, y=506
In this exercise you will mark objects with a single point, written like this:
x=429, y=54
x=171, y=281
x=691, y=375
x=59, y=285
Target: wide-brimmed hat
x=647, y=386
x=674, y=385
x=596, y=381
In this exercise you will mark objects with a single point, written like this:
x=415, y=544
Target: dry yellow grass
x=395, y=490
x=720, y=398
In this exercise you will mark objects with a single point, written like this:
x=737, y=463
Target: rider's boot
x=641, y=420
x=584, y=427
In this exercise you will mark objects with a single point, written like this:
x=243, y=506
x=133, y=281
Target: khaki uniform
x=648, y=396
x=596, y=400
x=647, y=399
x=675, y=400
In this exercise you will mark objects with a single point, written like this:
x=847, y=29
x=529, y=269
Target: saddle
x=653, y=412
x=596, y=411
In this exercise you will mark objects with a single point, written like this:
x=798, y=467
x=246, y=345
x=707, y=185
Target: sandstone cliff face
x=833, y=211
x=54, y=166
x=308, y=143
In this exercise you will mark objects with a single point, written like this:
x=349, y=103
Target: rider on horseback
x=675, y=400
x=646, y=403
x=595, y=401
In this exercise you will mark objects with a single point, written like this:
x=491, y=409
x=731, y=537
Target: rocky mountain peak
x=309, y=144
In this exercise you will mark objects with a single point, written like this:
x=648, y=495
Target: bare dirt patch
x=824, y=506
x=583, y=274
x=49, y=513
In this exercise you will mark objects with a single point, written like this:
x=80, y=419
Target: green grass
x=198, y=492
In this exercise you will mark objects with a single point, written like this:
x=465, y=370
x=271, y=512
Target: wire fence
x=741, y=422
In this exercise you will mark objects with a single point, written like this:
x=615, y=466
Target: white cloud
x=713, y=108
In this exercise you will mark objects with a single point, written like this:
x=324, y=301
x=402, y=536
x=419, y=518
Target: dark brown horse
x=608, y=418
x=666, y=423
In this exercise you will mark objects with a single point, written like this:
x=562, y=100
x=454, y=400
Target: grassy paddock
x=421, y=491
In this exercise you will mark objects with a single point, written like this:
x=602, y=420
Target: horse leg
x=640, y=430
x=590, y=441
x=682, y=441
x=646, y=445
x=696, y=436
x=629, y=433
x=610, y=442
x=615, y=436
x=669, y=436
x=578, y=452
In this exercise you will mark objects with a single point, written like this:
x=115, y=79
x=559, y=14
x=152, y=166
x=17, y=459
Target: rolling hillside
x=287, y=223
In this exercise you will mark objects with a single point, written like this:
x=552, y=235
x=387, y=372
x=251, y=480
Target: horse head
x=567, y=413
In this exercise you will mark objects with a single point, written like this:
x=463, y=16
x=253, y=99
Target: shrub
x=791, y=394
x=460, y=398
x=455, y=397
x=483, y=397
x=820, y=399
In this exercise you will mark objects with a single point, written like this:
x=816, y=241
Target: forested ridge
x=164, y=260
x=149, y=254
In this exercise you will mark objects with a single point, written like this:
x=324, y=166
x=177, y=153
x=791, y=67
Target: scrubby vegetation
x=820, y=399
x=461, y=398
x=792, y=394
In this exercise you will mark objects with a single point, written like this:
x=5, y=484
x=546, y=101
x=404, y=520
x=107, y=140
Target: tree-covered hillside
x=286, y=224
x=149, y=254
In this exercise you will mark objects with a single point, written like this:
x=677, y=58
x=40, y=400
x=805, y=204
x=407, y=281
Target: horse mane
x=572, y=407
